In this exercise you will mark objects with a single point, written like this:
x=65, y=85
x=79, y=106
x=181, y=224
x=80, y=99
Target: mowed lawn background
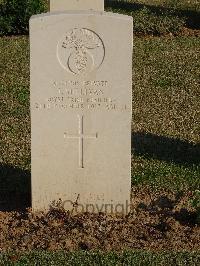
x=166, y=113
x=165, y=125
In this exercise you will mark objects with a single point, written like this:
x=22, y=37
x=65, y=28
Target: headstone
x=61, y=5
x=81, y=110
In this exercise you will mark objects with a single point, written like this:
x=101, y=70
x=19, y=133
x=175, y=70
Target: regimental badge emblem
x=80, y=51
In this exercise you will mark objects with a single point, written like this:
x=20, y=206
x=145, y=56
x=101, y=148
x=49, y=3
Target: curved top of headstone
x=64, y=5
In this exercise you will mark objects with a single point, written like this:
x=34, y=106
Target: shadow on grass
x=192, y=17
x=15, y=183
x=15, y=188
x=165, y=149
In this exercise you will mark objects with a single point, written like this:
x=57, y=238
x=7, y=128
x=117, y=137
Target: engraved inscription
x=85, y=83
x=80, y=51
x=81, y=138
x=91, y=95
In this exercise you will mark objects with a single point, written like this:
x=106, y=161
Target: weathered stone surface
x=81, y=101
x=60, y=5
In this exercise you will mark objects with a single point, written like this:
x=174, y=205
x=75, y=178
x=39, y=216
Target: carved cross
x=81, y=137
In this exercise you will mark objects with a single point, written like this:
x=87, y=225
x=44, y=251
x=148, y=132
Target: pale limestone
x=81, y=109
x=61, y=5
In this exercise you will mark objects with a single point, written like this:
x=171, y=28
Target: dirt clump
x=158, y=221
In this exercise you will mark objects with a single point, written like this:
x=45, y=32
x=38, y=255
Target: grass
x=166, y=147
x=166, y=89
x=14, y=98
x=166, y=112
x=166, y=175
x=176, y=4
x=151, y=17
x=158, y=17
x=136, y=258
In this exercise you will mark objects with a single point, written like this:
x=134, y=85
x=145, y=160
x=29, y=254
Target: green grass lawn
x=166, y=112
x=136, y=258
x=151, y=17
x=158, y=17
x=176, y=4
x=165, y=128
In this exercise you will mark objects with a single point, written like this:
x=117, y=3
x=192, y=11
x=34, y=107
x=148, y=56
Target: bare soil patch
x=159, y=220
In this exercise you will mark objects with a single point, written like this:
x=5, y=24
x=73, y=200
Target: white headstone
x=81, y=102
x=61, y=5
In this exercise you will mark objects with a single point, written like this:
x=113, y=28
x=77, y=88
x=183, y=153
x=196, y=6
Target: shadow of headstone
x=165, y=149
x=15, y=188
x=192, y=17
